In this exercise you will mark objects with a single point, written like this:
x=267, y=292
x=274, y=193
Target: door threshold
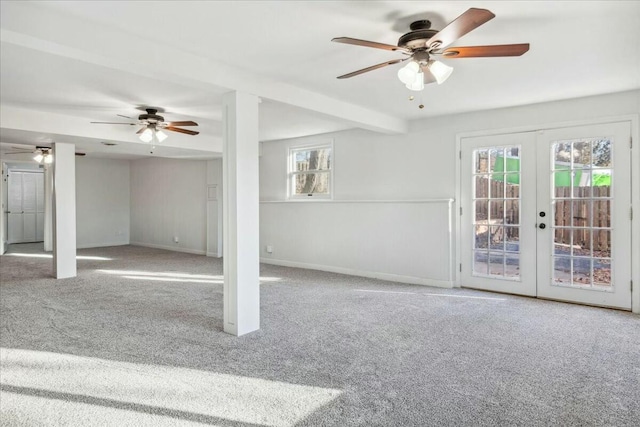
x=627, y=310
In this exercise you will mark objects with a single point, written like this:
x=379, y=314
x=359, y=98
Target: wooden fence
x=586, y=213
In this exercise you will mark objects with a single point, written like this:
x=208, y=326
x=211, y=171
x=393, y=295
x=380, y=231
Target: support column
x=240, y=213
x=48, y=208
x=64, y=210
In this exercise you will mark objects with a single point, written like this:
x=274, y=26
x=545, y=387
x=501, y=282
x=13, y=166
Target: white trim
x=635, y=202
x=102, y=245
x=634, y=119
x=169, y=248
x=365, y=201
x=361, y=273
x=12, y=170
x=213, y=255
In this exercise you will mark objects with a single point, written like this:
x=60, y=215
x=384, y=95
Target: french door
x=547, y=214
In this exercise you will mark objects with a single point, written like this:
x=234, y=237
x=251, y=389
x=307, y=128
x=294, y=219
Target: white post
x=240, y=213
x=48, y=208
x=64, y=210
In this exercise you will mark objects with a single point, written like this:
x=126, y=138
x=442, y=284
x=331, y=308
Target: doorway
x=547, y=214
x=25, y=206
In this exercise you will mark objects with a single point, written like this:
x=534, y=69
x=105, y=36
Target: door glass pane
x=496, y=197
x=581, y=213
x=602, y=272
x=482, y=161
x=512, y=212
x=481, y=211
x=482, y=237
x=601, y=153
x=496, y=264
x=582, y=179
x=562, y=213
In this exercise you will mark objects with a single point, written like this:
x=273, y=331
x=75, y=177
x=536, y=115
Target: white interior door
x=547, y=214
x=25, y=206
x=15, y=223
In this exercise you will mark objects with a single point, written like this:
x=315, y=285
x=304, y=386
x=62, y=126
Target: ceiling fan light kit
x=421, y=43
x=440, y=70
x=43, y=155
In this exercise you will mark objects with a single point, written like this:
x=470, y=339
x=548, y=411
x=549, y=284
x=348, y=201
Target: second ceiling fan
x=153, y=124
x=422, y=42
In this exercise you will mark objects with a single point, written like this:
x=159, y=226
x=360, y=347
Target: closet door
x=25, y=207
x=29, y=206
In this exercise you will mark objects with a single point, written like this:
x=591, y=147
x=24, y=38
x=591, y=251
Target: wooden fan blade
x=114, y=123
x=187, y=131
x=126, y=117
x=142, y=129
x=428, y=77
x=81, y=154
x=366, y=43
x=185, y=123
x=373, y=67
x=19, y=152
x=485, y=51
x=463, y=24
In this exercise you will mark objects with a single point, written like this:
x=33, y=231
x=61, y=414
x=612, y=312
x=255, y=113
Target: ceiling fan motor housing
x=151, y=116
x=417, y=38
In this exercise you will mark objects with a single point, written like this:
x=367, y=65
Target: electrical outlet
x=269, y=249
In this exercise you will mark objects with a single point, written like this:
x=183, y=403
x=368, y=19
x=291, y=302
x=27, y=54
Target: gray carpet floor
x=136, y=339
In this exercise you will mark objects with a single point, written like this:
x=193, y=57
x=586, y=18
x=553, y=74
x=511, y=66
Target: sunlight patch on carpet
x=44, y=387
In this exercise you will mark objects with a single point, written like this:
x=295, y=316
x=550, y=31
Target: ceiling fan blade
x=185, y=123
x=373, y=67
x=142, y=129
x=114, y=123
x=463, y=24
x=19, y=152
x=485, y=51
x=81, y=154
x=366, y=43
x=187, y=131
x=428, y=76
x=126, y=117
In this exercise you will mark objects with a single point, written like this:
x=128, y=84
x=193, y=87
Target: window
x=310, y=172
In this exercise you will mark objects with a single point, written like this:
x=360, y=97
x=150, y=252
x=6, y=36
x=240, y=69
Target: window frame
x=292, y=173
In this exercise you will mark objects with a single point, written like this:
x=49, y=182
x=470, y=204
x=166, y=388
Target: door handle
x=542, y=226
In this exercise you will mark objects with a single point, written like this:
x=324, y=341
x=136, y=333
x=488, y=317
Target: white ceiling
x=92, y=60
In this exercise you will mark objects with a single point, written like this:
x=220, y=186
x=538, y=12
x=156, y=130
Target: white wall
x=102, y=202
x=418, y=165
x=168, y=199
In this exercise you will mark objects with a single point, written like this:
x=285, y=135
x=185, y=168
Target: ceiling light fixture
x=440, y=70
x=161, y=136
x=147, y=134
x=151, y=134
x=43, y=156
x=412, y=74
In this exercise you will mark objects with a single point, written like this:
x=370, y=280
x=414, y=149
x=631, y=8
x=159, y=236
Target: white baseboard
x=170, y=248
x=101, y=245
x=214, y=254
x=371, y=274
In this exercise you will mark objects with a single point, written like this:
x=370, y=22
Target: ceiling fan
x=153, y=124
x=42, y=154
x=422, y=42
